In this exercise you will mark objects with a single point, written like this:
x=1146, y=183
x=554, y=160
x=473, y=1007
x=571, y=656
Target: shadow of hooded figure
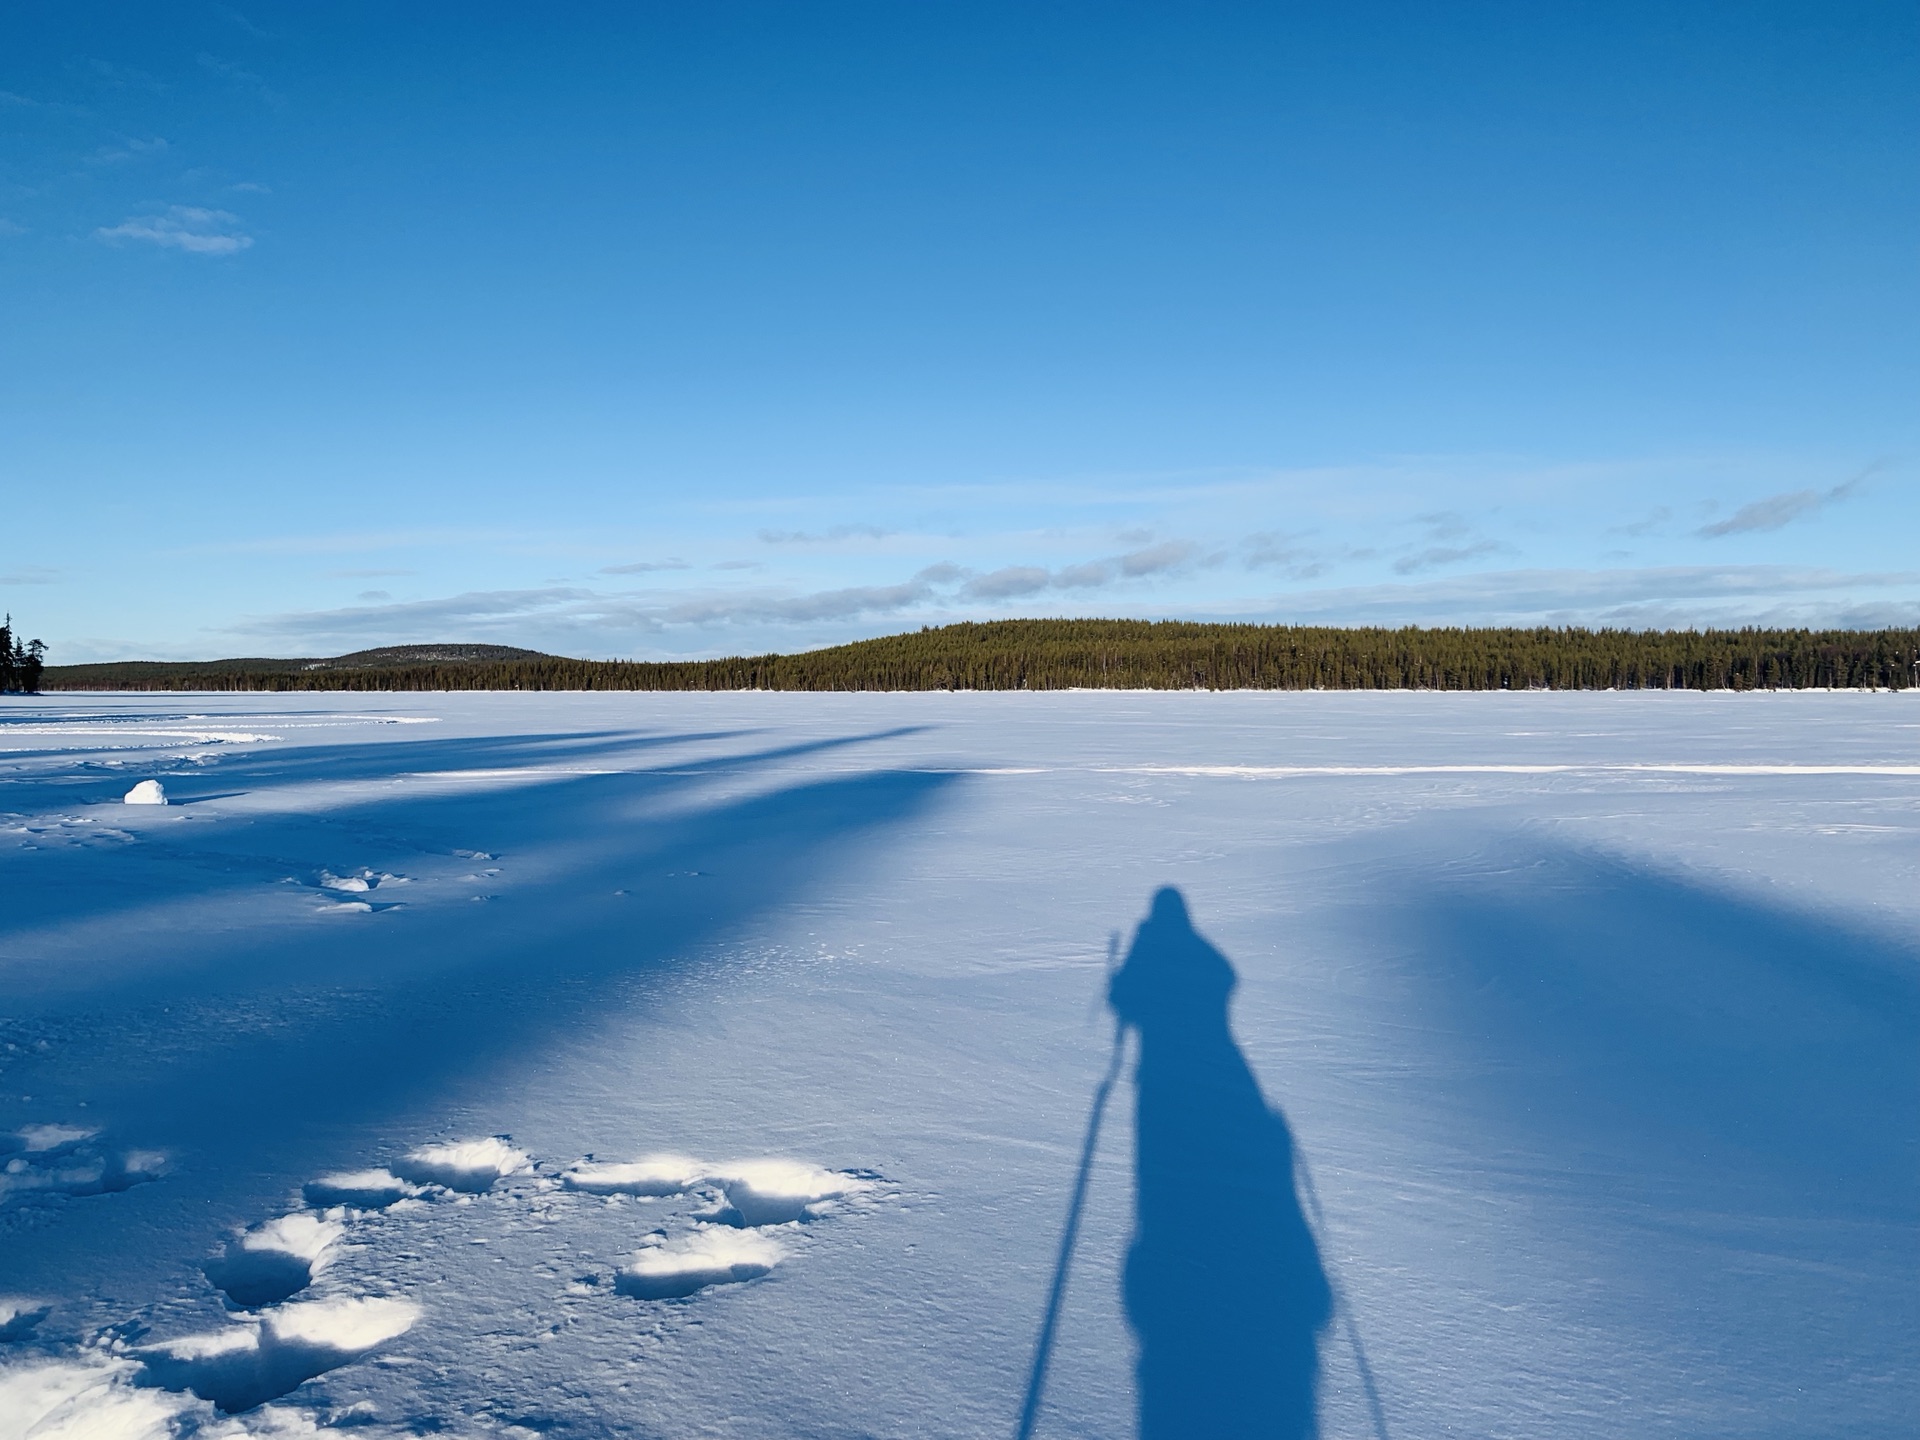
x=1224, y=1289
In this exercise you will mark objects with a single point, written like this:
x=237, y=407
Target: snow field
x=274, y=1343
x=1590, y=1017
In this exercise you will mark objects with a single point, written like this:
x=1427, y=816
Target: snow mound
x=649, y=1175
x=18, y=1315
x=706, y=1257
x=774, y=1192
x=50, y=1139
x=359, y=881
x=472, y=1166
x=65, y=1400
x=147, y=792
x=55, y=1167
x=342, y=1327
x=362, y=1189
x=274, y=1260
x=251, y=1364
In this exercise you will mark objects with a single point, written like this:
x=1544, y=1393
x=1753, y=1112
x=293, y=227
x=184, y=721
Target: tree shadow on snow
x=1224, y=1287
x=1709, y=1049
x=266, y=1047
x=386, y=823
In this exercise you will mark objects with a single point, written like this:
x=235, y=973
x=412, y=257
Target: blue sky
x=662, y=330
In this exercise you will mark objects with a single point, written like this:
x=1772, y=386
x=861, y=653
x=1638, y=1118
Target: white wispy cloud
x=1647, y=524
x=1629, y=597
x=1435, y=556
x=1777, y=511
x=577, y=620
x=1013, y=582
x=128, y=148
x=645, y=567
x=830, y=536
x=1282, y=551
x=189, y=228
x=242, y=78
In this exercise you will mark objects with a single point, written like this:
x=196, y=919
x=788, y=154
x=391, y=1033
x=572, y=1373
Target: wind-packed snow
x=1494, y=1065
x=147, y=792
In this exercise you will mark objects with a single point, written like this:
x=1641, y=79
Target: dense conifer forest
x=1114, y=654
x=21, y=662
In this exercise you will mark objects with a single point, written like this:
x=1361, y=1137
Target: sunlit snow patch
x=706, y=1257
x=649, y=1175
x=47, y=1139
x=359, y=881
x=90, y=1400
x=147, y=792
x=469, y=1165
x=773, y=1192
x=247, y=1365
x=274, y=1260
x=362, y=1189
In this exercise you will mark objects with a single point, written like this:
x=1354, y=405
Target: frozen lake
x=692, y=1065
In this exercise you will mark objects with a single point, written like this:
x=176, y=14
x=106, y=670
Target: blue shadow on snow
x=1224, y=1287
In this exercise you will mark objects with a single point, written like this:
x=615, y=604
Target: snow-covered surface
x=706, y=1257
x=472, y=1165
x=1588, y=1024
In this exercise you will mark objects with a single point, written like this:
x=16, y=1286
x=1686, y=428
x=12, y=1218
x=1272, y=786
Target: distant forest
x=1114, y=654
x=21, y=663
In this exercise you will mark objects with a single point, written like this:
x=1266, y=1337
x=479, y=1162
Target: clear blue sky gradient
x=687, y=329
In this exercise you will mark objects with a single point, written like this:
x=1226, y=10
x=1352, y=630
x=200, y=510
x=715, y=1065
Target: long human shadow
x=1224, y=1288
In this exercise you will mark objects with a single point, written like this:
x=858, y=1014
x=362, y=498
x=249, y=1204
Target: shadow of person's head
x=1172, y=980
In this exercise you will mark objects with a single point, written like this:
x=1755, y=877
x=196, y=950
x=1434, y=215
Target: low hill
x=397, y=657
x=1110, y=654
x=213, y=674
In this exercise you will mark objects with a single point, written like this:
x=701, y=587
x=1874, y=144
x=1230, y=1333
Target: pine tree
x=20, y=664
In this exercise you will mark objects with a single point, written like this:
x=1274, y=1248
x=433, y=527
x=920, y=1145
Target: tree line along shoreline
x=1123, y=655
